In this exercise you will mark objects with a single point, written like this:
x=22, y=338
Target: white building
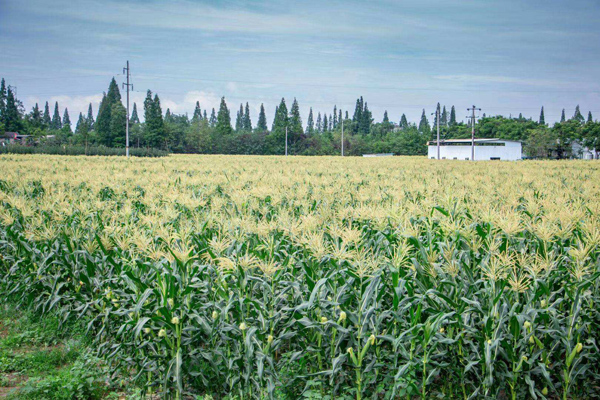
x=485, y=149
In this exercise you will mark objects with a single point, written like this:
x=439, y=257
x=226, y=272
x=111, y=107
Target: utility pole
x=127, y=85
x=473, y=109
x=286, y=140
x=342, y=138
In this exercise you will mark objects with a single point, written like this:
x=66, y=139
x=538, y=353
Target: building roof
x=468, y=141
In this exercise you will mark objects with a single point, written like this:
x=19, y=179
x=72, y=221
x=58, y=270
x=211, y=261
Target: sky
x=505, y=57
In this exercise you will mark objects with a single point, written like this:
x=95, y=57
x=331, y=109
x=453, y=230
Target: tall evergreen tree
x=82, y=130
x=261, y=125
x=168, y=116
x=56, y=122
x=335, y=119
x=424, y=124
x=223, y=126
x=340, y=117
x=213, y=119
x=81, y=124
x=366, y=120
x=275, y=118
x=36, y=117
x=444, y=120
x=247, y=122
x=46, y=120
x=11, y=117
x=310, y=123
x=135, y=119
x=154, y=130
x=90, y=117
x=347, y=115
x=3, y=94
x=66, y=121
x=319, y=126
x=280, y=122
x=239, y=124
x=542, y=118
x=294, y=122
x=437, y=112
x=578, y=116
x=386, y=119
x=562, y=116
x=105, y=133
x=118, y=120
x=330, y=123
x=204, y=117
x=403, y=122
x=325, y=123
x=357, y=117
x=590, y=119
x=452, y=121
x=197, y=117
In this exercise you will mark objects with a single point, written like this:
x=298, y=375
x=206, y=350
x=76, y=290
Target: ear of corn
x=270, y=277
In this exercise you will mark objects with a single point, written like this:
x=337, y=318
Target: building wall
x=511, y=151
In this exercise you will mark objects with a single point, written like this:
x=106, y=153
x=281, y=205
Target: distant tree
x=213, y=119
x=118, y=119
x=347, y=117
x=325, y=123
x=223, y=126
x=294, y=123
x=168, y=116
x=452, y=121
x=247, y=122
x=35, y=118
x=197, y=117
x=66, y=121
x=103, y=124
x=340, y=117
x=562, y=116
x=261, y=125
x=403, y=122
x=239, y=117
x=135, y=119
x=424, y=124
x=386, y=119
x=82, y=131
x=81, y=123
x=90, y=117
x=591, y=137
x=56, y=121
x=310, y=123
x=590, y=119
x=154, y=129
x=46, y=120
x=520, y=116
x=335, y=119
x=11, y=117
x=319, y=126
x=438, y=110
x=3, y=94
x=274, y=118
x=280, y=122
x=357, y=117
x=542, y=118
x=366, y=120
x=204, y=117
x=444, y=120
x=330, y=123
x=578, y=116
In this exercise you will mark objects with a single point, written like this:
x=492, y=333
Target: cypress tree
x=280, y=122
x=154, y=124
x=247, y=122
x=3, y=94
x=340, y=117
x=168, y=115
x=135, y=119
x=223, y=126
x=367, y=120
x=261, y=126
x=438, y=111
x=197, y=113
x=520, y=116
x=335, y=120
x=357, y=117
x=295, y=122
x=386, y=119
x=46, y=120
x=347, y=115
x=310, y=123
x=81, y=124
x=403, y=122
x=444, y=120
x=424, y=124
x=213, y=119
x=325, y=123
x=66, y=121
x=319, y=126
x=204, y=116
x=562, y=116
x=11, y=117
x=239, y=124
x=275, y=118
x=90, y=117
x=590, y=119
x=542, y=118
x=104, y=119
x=36, y=117
x=118, y=119
x=56, y=122
x=578, y=116
x=452, y=121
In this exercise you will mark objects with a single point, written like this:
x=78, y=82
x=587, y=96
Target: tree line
x=214, y=133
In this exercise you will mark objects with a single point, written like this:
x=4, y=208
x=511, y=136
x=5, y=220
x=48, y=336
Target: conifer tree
x=213, y=119
x=239, y=119
x=197, y=117
x=81, y=124
x=325, y=123
x=366, y=120
x=562, y=116
x=436, y=113
x=135, y=119
x=36, y=117
x=590, y=119
x=578, y=116
x=154, y=130
x=66, y=121
x=295, y=122
x=280, y=122
x=168, y=116
x=452, y=121
x=105, y=128
x=335, y=119
x=424, y=124
x=247, y=121
x=275, y=118
x=319, y=127
x=386, y=119
x=56, y=122
x=310, y=123
x=403, y=122
x=204, y=117
x=444, y=120
x=542, y=120
x=223, y=126
x=330, y=123
x=82, y=129
x=90, y=117
x=261, y=125
x=347, y=115
x=3, y=94
x=46, y=120
x=340, y=117
x=11, y=117
x=357, y=117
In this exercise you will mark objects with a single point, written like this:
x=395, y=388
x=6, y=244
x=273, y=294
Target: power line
x=473, y=120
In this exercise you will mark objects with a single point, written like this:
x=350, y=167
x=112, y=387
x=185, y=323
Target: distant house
x=485, y=149
x=12, y=137
x=582, y=152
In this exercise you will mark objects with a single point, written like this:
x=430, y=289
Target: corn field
x=337, y=278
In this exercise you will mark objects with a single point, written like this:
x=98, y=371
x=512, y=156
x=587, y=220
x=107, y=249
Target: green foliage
x=81, y=150
x=223, y=125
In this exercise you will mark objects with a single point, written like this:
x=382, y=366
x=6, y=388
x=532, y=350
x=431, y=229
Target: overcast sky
x=402, y=56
